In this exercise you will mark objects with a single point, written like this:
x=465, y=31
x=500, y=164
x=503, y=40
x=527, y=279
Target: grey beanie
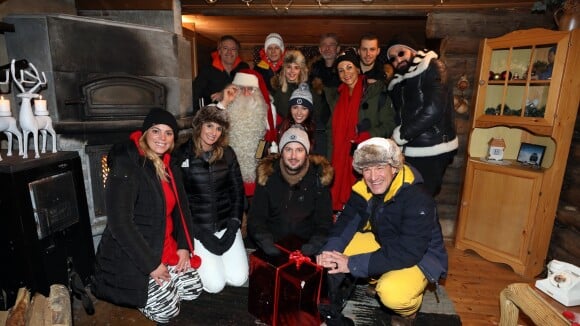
x=295, y=134
x=375, y=151
x=301, y=96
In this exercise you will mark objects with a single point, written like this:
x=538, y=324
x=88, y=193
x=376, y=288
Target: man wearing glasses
x=212, y=79
x=423, y=101
x=253, y=119
x=323, y=73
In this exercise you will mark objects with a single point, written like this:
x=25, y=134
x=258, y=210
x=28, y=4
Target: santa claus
x=253, y=118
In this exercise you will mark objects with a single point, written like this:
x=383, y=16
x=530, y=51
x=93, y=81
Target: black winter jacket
x=213, y=78
x=405, y=225
x=132, y=243
x=279, y=210
x=424, y=104
x=215, y=192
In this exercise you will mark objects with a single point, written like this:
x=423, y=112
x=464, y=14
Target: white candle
x=40, y=106
x=4, y=106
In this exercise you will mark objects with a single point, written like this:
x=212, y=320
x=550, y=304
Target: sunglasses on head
x=400, y=54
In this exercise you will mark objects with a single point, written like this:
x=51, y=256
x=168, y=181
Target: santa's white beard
x=247, y=127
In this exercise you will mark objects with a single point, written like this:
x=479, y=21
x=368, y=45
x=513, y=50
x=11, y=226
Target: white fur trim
x=273, y=147
x=397, y=136
x=432, y=150
x=419, y=65
x=274, y=112
x=244, y=79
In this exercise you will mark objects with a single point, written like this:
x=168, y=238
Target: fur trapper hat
x=211, y=113
x=376, y=151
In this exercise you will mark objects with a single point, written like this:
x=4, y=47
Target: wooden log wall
x=460, y=34
x=566, y=232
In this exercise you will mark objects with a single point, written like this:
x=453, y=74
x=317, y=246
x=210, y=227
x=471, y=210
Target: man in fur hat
x=253, y=118
x=388, y=231
x=292, y=196
x=425, y=110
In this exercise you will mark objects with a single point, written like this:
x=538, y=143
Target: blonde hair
x=293, y=56
x=153, y=157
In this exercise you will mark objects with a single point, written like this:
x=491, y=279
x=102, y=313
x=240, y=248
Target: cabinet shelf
x=507, y=165
x=507, y=209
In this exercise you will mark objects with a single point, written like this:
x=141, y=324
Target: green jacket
x=375, y=115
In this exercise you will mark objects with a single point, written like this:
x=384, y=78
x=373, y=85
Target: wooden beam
x=351, y=7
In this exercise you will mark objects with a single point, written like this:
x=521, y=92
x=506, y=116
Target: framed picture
x=531, y=154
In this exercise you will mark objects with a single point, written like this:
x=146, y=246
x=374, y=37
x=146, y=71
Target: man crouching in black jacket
x=292, y=197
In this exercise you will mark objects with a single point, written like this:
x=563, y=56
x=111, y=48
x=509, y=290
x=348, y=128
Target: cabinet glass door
x=519, y=81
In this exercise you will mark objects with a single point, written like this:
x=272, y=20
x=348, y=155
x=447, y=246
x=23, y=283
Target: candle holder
x=30, y=123
x=40, y=107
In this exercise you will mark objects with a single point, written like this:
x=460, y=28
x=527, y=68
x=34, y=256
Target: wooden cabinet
x=528, y=93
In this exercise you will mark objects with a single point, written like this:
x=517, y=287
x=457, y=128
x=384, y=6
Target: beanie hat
x=160, y=116
x=245, y=79
x=274, y=38
x=349, y=55
x=377, y=150
x=301, y=96
x=211, y=113
x=404, y=40
x=295, y=134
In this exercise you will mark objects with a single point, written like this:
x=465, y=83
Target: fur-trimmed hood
x=269, y=165
x=420, y=63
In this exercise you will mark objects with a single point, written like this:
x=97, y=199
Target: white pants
x=231, y=268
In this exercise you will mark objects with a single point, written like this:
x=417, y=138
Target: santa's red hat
x=273, y=118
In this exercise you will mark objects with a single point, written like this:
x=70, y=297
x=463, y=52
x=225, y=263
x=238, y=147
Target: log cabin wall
x=566, y=232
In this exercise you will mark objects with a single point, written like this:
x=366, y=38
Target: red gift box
x=285, y=289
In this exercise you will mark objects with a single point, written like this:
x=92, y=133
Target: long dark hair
x=211, y=113
x=309, y=126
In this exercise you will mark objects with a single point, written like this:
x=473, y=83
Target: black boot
x=332, y=317
x=340, y=288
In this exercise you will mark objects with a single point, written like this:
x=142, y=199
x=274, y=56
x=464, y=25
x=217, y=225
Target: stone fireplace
x=103, y=77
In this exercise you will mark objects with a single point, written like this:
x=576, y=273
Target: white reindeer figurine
x=9, y=128
x=28, y=121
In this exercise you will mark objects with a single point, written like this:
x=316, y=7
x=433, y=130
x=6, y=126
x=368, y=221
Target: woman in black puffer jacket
x=215, y=192
x=145, y=258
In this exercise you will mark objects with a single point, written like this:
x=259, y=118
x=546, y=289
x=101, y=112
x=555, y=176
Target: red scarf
x=169, y=254
x=275, y=66
x=344, y=121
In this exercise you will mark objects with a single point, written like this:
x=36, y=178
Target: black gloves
x=210, y=242
x=230, y=235
x=269, y=248
x=309, y=250
x=216, y=245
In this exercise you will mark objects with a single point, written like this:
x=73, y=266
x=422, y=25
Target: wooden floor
x=473, y=284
